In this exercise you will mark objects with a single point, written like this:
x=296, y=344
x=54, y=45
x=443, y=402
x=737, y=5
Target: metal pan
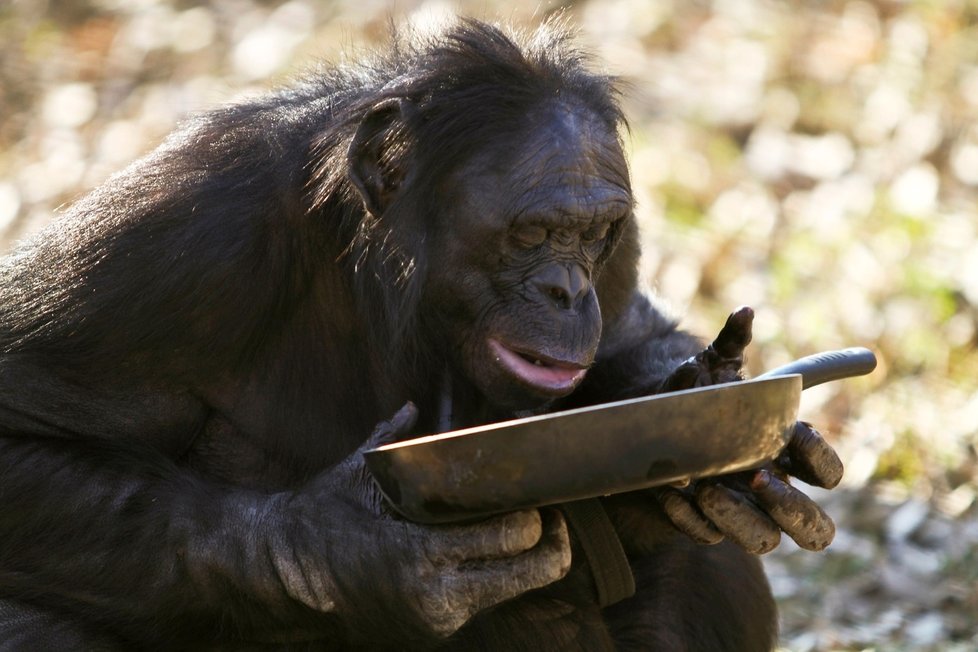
x=603, y=449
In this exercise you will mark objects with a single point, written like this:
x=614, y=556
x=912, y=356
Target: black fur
x=221, y=323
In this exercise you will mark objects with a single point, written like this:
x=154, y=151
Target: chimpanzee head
x=500, y=168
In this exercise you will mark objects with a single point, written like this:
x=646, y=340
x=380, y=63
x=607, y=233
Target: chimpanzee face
x=526, y=230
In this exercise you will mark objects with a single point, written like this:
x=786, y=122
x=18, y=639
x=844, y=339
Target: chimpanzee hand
x=753, y=507
x=351, y=556
x=721, y=361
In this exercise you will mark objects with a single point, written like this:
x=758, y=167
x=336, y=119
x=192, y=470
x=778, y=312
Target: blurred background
x=815, y=160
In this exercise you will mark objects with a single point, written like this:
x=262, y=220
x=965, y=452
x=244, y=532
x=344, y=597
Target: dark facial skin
x=520, y=302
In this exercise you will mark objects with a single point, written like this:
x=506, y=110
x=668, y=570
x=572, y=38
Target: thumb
x=394, y=428
x=736, y=333
x=353, y=472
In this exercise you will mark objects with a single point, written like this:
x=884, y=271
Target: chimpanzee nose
x=563, y=285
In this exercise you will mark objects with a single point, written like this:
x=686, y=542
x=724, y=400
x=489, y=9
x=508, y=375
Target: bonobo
x=194, y=357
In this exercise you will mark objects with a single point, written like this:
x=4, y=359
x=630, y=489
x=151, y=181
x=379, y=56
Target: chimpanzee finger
x=396, y=427
x=459, y=592
x=799, y=516
x=360, y=481
x=498, y=537
x=501, y=579
x=685, y=376
x=736, y=334
x=810, y=458
x=738, y=518
x=687, y=518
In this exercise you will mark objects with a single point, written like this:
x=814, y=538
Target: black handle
x=828, y=365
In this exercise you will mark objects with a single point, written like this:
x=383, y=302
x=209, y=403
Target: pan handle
x=828, y=365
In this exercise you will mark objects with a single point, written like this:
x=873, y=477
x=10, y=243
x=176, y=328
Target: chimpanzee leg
x=25, y=627
x=696, y=598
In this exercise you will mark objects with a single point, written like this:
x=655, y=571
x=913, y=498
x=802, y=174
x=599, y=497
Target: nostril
x=560, y=297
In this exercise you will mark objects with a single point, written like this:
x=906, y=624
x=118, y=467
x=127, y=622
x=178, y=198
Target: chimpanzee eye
x=595, y=233
x=529, y=235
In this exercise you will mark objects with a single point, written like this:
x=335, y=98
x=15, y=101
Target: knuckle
x=561, y=559
x=815, y=536
x=443, y=598
x=715, y=497
x=519, y=531
x=429, y=546
x=766, y=545
x=444, y=612
x=545, y=570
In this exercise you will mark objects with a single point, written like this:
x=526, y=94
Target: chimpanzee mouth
x=542, y=373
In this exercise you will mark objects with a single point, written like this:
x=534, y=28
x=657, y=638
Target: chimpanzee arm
x=114, y=533
x=97, y=319
x=173, y=277
x=99, y=520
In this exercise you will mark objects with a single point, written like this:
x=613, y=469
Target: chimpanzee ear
x=374, y=159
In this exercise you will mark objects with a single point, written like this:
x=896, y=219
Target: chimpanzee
x=194, y=357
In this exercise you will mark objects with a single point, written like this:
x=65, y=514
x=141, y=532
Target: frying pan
x=603, y=449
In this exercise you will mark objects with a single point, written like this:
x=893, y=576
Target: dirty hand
x=751, y=508
x=342, y=551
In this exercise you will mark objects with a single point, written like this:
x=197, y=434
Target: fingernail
x=741, y=310
x=760, y=481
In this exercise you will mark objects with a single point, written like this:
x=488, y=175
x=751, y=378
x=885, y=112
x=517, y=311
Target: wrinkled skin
x=531, y=260
x=446, y=574
x=192, y=362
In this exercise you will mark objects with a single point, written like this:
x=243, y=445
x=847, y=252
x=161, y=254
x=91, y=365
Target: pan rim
x=497, y=425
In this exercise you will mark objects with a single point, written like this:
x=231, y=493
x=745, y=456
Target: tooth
x=538, y=363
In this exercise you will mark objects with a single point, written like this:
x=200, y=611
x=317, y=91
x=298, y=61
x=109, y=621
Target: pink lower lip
x=552, y=378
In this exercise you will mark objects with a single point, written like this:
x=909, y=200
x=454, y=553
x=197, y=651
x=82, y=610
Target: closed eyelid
x=530, y=234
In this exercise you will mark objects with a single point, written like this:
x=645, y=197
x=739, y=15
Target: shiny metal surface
x=588, y=452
